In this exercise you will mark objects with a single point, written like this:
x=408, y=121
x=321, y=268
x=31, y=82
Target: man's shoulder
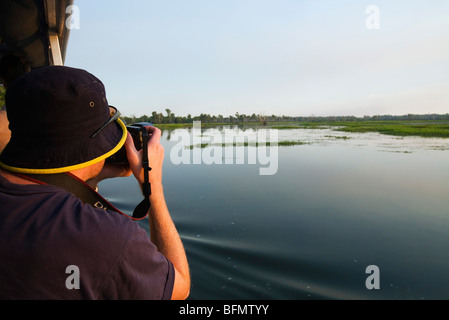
x=49, y=205
x=99, y=220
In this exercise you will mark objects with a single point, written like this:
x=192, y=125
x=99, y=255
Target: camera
x=136, y=134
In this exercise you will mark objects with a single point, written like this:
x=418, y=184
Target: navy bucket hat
x=54, y=116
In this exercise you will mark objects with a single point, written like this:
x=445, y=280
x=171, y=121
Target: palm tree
x=154, y=116
x=168, y=114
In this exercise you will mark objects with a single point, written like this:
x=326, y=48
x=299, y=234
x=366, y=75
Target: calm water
x=337, y=204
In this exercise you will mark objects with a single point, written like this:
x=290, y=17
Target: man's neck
x=11, y=177
x=83, y=174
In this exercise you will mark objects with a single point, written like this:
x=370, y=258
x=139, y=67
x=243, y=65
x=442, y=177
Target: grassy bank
x=419, y=128
x=430, y=129
x=422, y=128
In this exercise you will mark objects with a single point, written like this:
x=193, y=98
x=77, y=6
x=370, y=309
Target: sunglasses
x=115, y=114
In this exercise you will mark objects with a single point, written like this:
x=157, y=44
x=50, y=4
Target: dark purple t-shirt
x=44, y=230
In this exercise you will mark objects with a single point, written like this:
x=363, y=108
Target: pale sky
x=283, y=57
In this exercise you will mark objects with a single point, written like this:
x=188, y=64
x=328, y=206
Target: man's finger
x=155, y=133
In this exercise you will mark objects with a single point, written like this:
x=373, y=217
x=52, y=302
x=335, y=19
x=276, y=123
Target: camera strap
x=142, y=209
x=74, y=185
x=79, y=188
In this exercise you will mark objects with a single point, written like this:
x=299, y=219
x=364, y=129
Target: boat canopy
x=35, y=29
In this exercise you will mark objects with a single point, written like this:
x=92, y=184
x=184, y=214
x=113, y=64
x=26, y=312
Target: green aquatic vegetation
x=441, y=148
x=173, y=126
x=294, y=126
x=400, y=128
x=396, y=151
x=247, y=144
x=201, y=146
x=2, y=96
x=338, y=137
x=292, y=143
x=422, y=128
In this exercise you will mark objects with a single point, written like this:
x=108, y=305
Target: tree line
x=171, y=117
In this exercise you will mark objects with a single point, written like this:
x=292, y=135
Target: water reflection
x=337, y=204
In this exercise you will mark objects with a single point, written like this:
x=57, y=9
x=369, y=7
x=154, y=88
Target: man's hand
x=155, y=155
x=162, y=229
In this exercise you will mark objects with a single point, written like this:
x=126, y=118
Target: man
x=61, y=124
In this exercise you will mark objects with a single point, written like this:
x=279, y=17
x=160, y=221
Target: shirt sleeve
x=141, y=272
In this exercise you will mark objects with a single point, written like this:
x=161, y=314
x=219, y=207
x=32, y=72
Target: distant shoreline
x=172, y=118
x=421, y=128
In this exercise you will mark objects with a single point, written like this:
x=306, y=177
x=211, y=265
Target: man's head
x=54, y=113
